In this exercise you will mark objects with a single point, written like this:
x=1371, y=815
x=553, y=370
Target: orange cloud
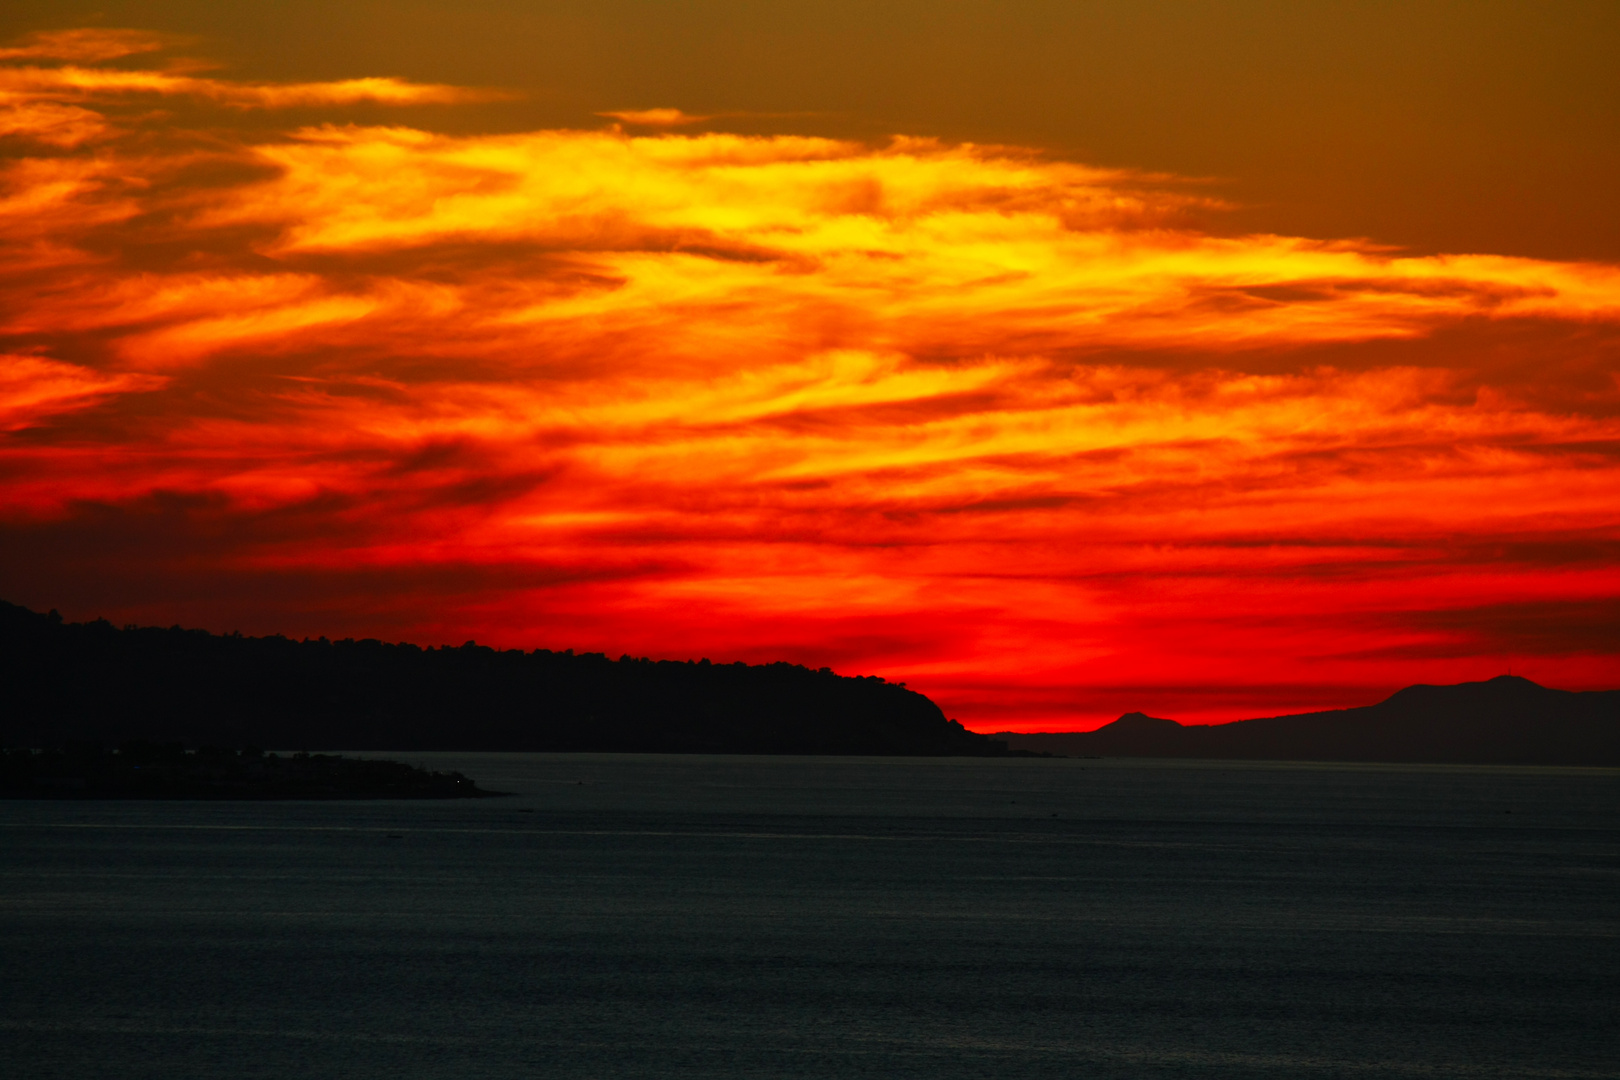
x=49, y=122
x=92, y=83
x=87, y=45
x=50, y=104
x=32, y=388
x=1006, y=427
x=655, y=117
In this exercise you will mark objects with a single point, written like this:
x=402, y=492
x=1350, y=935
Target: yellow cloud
x=969, y=401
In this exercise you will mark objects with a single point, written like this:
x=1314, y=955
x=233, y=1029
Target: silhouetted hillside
x=93, y=682
x=1507, y=720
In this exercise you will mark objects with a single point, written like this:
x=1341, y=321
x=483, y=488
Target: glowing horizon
x=1014, y=430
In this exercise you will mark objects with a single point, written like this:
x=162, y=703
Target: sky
x=1059, y=360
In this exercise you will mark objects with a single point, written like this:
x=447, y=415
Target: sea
x=756, y=917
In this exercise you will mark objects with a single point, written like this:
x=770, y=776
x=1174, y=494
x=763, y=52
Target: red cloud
x=1001, y=426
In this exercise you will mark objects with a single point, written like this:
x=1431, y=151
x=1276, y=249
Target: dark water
x=760, y=917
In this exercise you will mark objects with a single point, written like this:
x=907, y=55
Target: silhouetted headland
x=144, y=770
x=98, y=683
x=1505, y=721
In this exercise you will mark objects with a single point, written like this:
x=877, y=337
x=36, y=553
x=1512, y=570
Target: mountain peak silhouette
x=1506, y=720
x=1137, y=721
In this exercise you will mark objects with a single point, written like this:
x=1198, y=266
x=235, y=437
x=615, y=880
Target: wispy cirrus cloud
x=53, y=103
x=33, y=388
x=657, y=118
x=88, y=44
x=91, y=83
x=1008, y=427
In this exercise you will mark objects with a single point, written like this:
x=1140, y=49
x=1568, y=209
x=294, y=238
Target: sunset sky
x=1057, y=359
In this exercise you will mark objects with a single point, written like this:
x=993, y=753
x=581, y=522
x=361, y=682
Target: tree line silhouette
x=95, y=682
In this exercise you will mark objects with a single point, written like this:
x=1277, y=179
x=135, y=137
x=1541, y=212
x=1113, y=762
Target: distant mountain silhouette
x=1507, y=720
x=64, y=683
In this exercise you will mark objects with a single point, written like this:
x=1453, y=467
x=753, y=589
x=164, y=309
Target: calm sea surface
x=627, y=916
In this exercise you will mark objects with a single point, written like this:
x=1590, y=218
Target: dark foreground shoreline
x=97, y=683
x=153, y=771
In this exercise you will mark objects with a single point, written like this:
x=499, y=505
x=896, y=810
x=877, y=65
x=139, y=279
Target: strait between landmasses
x=95, y=683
